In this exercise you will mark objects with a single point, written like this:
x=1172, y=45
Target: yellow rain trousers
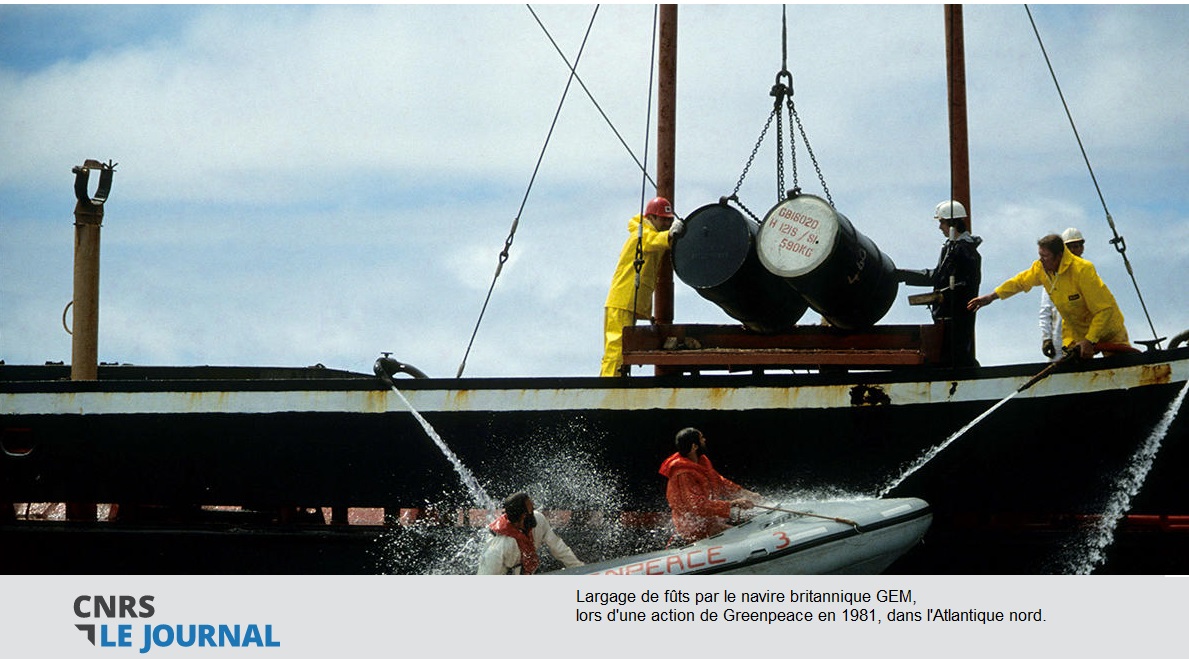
x=618, y=312
x=1088, y=310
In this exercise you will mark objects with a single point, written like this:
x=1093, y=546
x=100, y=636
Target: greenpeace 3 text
x=148, y=635
x=884, y=606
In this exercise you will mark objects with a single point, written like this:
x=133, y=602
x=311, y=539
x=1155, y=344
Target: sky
x=315, y=184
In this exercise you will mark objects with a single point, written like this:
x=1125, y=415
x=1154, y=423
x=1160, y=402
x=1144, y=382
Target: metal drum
x=839, y=271
x=717, y=258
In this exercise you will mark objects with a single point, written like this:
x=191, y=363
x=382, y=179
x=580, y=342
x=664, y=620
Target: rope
x=840, y=520
x=639, y=262
x=1118, y=242
x=503, y=257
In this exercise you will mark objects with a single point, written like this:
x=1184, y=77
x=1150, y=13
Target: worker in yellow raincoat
x=1089, y=313
x=624, y=303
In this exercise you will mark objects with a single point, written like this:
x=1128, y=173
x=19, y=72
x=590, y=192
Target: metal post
x=84, y=361
x=88, y=219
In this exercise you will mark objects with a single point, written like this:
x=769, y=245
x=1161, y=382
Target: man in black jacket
x=955, y=282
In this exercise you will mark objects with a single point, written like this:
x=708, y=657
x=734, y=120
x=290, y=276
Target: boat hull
x=835, y=537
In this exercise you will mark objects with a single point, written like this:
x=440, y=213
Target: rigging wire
x=638, y=264
x=593, y=101
x=1118, y=242
x=503, y=257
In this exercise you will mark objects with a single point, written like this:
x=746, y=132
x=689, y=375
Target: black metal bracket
x=82, y=173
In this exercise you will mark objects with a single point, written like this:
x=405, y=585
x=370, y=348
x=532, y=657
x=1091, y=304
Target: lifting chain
x=782, y=92
x=794, y=118
x=754, y=151
x=638, y=265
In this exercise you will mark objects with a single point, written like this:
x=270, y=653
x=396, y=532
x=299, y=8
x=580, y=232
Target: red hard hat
x=659, y=207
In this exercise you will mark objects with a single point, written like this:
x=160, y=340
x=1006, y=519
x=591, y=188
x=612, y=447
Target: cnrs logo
x=114, y=606
x=149, y=636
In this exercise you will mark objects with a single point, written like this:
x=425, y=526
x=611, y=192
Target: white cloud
x=317, y=184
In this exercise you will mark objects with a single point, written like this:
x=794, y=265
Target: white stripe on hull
x=489, y=399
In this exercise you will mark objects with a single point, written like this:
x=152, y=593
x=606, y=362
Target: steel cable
x=503, y=257
x=1119, y=244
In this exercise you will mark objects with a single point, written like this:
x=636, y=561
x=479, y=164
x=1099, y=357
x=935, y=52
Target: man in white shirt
x=515, y=538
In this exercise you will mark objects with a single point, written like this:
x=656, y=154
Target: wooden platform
x=692, y=348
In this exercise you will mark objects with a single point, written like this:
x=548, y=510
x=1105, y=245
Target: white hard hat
x=948, y=210
x=1072, y=235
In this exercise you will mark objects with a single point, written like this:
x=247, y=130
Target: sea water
x=1088, y=553
x=550, y=464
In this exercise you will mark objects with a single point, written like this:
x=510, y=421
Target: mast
x=955, y=64
x=955, y=59
x=666, y=143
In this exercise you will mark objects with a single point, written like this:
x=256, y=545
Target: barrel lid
x=797, y=236
x=717, y=241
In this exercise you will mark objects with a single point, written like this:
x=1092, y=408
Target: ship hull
x=1048, y=459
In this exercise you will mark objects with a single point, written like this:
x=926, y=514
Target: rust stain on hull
x=716, y=398
x=1155, y=374
x=376, y=401
x=461, y=398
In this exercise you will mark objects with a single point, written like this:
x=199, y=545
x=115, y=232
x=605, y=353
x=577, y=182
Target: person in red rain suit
x=701, y=499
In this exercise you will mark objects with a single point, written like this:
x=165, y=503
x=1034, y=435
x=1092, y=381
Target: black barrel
x=818, y=252
x=717, y=258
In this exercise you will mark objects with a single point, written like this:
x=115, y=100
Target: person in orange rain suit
x=702, y=500
x=624, y=303
x=1089, y=313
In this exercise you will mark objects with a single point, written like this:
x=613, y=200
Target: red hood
x=677, y=462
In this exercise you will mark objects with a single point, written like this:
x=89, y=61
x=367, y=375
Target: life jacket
x=529, y=560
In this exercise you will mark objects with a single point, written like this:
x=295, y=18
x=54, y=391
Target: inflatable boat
x=824, y=537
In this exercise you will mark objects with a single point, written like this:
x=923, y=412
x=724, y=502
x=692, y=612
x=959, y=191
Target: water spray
x=932, y=453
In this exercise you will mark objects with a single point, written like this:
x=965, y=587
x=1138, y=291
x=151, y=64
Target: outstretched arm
x=977, y=303
x=915, y=277
x=558, y=547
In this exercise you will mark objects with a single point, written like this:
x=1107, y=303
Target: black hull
x=1038, y=467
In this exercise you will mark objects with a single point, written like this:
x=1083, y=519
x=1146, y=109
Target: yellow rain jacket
x=623, y=282
x=618, y=310
x=1087, y=308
